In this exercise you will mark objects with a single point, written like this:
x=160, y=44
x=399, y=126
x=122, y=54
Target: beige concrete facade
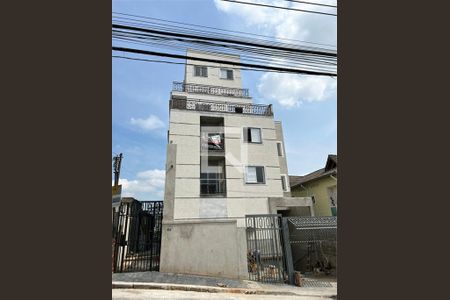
x=213, y=73
x=184, y=131
x=206, y=235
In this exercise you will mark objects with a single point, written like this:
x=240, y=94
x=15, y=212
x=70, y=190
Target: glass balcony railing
x=212, y=187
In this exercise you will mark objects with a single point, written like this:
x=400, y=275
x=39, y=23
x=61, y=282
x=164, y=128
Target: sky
x=306, y=105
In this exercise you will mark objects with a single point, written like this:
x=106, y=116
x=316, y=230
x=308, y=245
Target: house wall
x=282, y=160
x=318, y=189
x=206, y=235
x=213, y=73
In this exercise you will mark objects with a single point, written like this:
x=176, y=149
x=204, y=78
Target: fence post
x=287, y=251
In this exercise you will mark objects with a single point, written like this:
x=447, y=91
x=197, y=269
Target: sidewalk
x=169, y=281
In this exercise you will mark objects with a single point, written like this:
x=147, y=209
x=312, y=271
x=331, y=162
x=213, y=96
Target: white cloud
x=148, y=184
x=151, y=123
x=283, y=23
x=291, y=90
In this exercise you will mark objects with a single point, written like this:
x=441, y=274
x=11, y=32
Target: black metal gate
x=265, y=250
x=137, y=236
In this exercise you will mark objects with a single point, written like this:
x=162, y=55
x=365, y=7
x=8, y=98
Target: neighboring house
x=321, y=185
x=225, y=160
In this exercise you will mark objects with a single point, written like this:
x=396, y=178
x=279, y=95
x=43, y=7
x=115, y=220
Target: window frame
x=249, y=131
x=201, y=67
x=263, y=174
x=286, y=183
x=281, y=149
x=226, y=78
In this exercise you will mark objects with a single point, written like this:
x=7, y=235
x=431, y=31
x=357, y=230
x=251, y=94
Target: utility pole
x=116, y=167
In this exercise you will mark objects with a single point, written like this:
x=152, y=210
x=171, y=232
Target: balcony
x=212, y=188
x=209, y=90
x=221, y=107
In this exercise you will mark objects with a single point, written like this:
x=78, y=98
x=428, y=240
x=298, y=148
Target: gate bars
x=277, y=246
x=137, y=236
x=265, y=255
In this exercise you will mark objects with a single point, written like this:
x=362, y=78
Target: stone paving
x=133, y=294
x=157, y=280
x=159, y=277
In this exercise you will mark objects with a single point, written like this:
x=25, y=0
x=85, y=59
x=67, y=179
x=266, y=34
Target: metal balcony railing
x=209, y=90
x=224, y=107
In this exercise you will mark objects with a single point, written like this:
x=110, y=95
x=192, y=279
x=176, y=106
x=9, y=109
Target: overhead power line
x=155, y=20
x=276, y=57
x=288, y=49
x=225, y=62
x=159, y=36
x=187, y=64
x=281, y=7
x=312, y=63
x=234, y=46
x=312, y=3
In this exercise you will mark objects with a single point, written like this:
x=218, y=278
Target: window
x=212, y=176
x=332, y=194
x=200, y=71
x=284, y=183
x=280, y=149
x=226, y=74
x=254, y=175
x=252, y=135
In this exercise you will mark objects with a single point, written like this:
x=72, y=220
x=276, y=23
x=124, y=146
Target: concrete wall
x=282, y=159
x=169, y=188
x=242, y=198
x=213, y=72
x=214, y=248
x=220, y=208
x=295, y=204
x=318, y=189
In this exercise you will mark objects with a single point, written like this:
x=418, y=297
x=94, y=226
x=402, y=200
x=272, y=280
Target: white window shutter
x=251, y=175
x=256, y=135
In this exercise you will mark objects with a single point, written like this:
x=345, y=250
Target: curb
x=208, y=289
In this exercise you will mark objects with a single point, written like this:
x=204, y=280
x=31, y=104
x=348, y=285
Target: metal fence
x=137, y=236
x=313, y=242
x=223, y=107
x=265, y=255
x=210, y=90
x=277, y=247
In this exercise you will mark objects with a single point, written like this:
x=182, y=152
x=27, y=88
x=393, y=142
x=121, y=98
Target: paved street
x=125, y=294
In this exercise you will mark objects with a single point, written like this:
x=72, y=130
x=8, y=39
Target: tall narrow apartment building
x=225, y=159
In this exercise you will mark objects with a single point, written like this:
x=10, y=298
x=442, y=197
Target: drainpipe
x=333, y=177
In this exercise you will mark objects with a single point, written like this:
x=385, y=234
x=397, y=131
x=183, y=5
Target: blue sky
x=306, y=105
